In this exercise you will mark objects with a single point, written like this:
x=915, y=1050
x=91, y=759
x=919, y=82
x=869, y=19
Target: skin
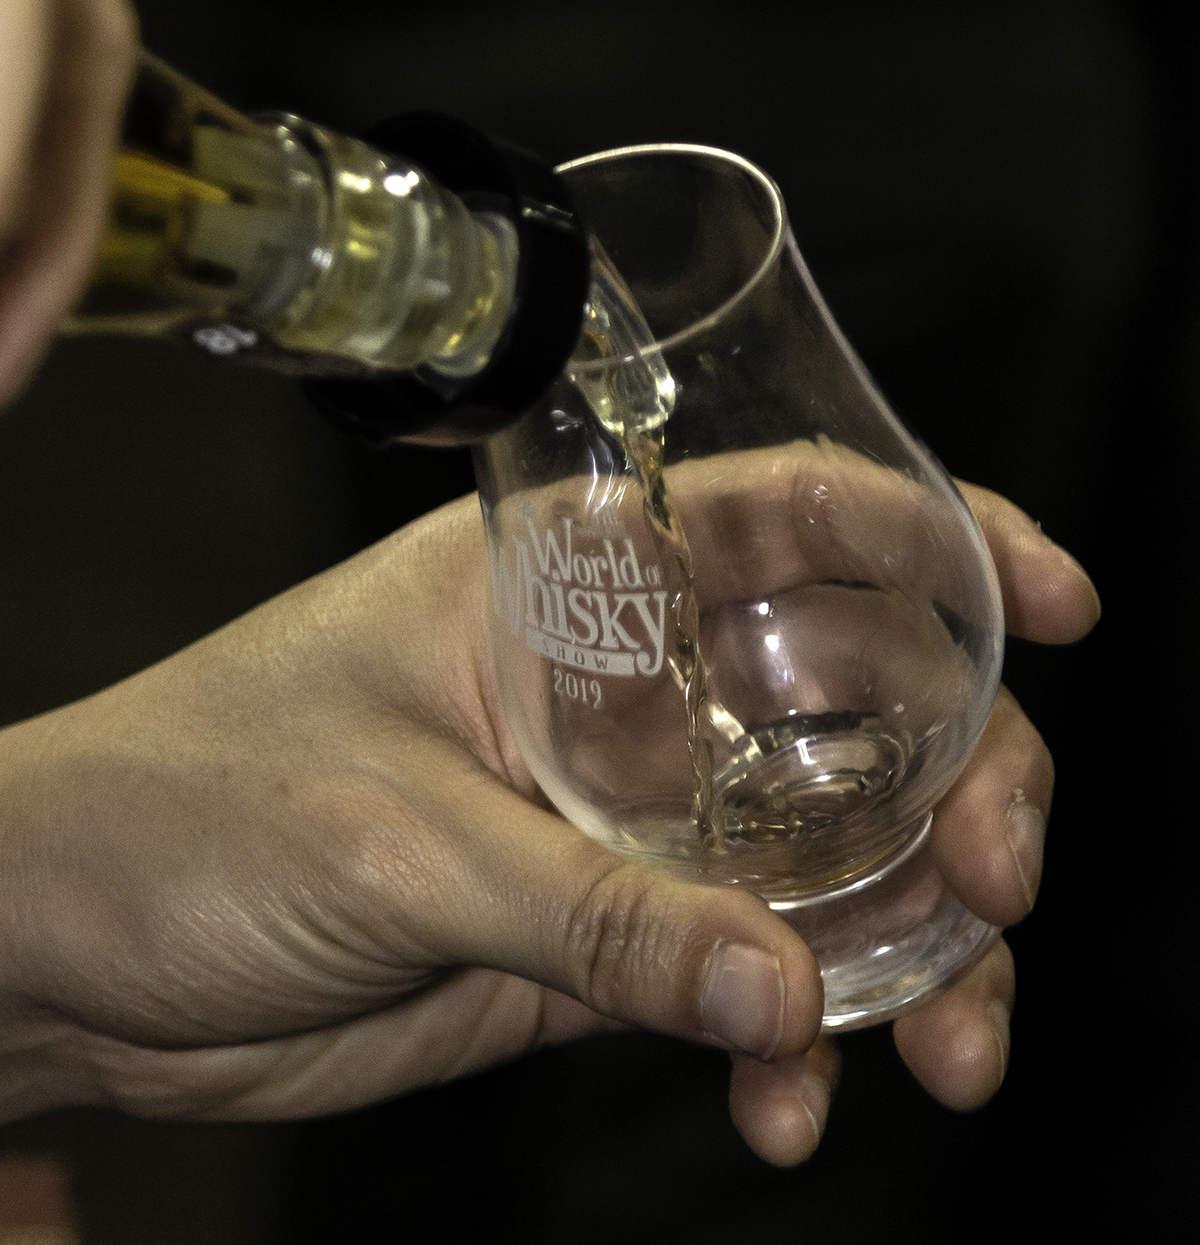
x=300, y=866
x=65, y=66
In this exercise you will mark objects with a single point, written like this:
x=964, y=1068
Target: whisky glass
x=746, y=630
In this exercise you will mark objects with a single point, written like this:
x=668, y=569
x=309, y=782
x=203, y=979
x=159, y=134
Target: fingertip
x=1025, y=832
x=743, y=999
x=760, y=990
x=958, y=1046
x=970, y=1065
x=805, y=999
x=1081, y=602
x=781, y=1108
x=1056, y=601
x=1048, y=596
x=989, y=831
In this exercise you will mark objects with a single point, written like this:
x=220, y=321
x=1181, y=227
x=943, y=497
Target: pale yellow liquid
x=634, y=401
x=322, y=255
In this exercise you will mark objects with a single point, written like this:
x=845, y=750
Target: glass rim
x=774, y=199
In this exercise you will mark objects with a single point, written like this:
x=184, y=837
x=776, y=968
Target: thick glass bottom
x=890, y=940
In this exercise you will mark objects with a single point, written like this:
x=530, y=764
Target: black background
x=999, y=200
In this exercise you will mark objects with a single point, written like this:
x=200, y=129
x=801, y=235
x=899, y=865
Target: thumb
x=530, y=895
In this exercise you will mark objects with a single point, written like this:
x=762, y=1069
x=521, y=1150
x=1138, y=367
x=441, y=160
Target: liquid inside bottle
x=314, y=252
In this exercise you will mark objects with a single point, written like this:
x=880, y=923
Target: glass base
x=889, y=941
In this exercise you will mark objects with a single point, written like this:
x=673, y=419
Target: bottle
x=427, y=284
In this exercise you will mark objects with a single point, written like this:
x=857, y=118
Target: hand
x=988, y=831
x=65, y=66
x=300, y=866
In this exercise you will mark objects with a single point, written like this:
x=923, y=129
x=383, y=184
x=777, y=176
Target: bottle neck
x=292, y=246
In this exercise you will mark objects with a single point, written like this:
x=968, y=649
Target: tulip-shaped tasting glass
x=745, y=628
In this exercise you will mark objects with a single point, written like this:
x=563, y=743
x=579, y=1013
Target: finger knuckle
x=615, y=934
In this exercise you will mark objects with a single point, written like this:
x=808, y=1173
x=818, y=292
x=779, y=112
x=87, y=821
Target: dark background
x=999, y=200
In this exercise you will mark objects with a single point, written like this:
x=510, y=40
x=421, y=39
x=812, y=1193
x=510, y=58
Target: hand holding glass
x=745, y=628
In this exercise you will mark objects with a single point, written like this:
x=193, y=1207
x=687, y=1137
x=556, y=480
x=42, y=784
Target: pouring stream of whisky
x=633, y=402
x=645, y=451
